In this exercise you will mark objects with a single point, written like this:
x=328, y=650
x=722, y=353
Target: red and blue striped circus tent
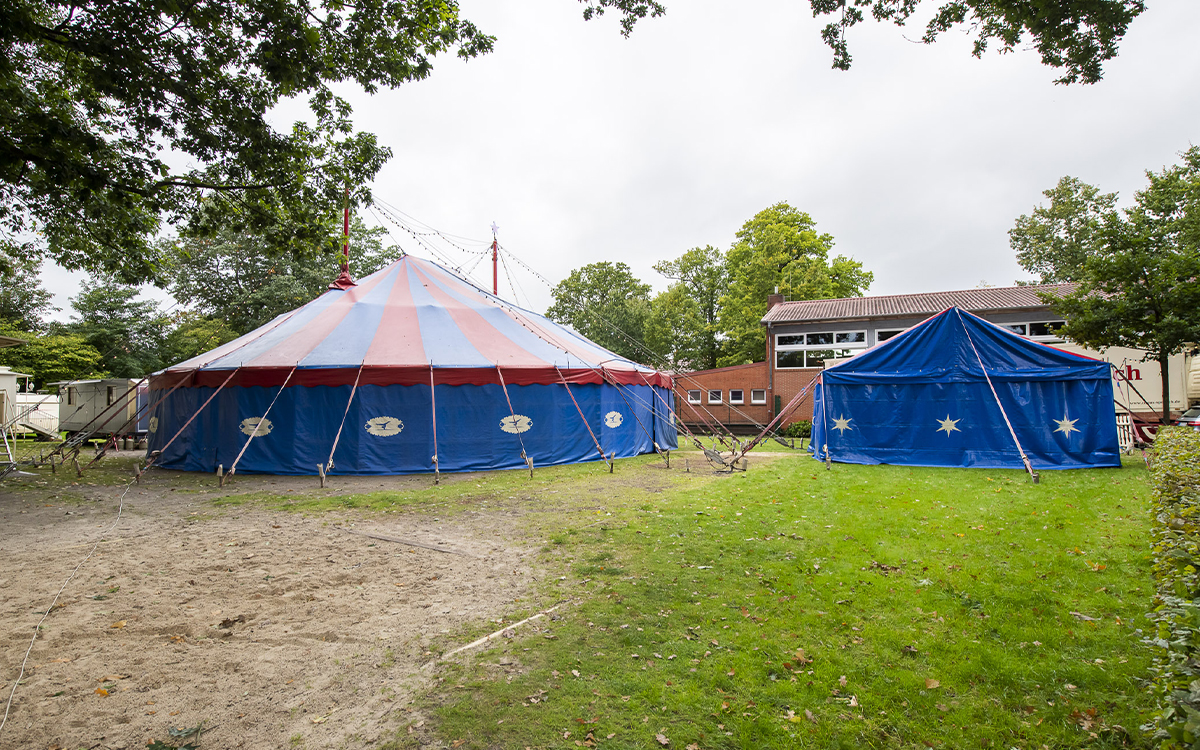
x=411, y=370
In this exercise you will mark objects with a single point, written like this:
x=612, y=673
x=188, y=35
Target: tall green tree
x=1075, y=36
x=233, y=277
x=51, y=357
x=675, y=330
x=779, y=247
x=1055, y=240
x=192, y=334
x=1140, y=287
x=24, y=302
x=701, y=279
x=101, y=101
x=606, y=303
x=127, y=332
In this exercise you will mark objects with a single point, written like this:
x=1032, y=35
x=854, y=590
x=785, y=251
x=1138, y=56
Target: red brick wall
x=747, y=377
x=790, y=382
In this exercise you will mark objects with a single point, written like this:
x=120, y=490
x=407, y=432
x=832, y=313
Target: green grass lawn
x=867, y=606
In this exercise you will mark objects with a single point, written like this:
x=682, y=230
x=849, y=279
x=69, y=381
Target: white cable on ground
x=37, y=629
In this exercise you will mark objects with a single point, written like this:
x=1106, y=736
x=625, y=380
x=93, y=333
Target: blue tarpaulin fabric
x=389, y=429
x=921, y=399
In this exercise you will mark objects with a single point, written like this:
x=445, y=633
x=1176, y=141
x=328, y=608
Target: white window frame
x=756, y=400
x=699, y=395
x=839, y=350
x=1045, y=338
x=719, y=393
x=741, y=400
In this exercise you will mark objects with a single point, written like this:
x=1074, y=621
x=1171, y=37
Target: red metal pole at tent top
x=346, y=235
x=495, y=255
x=344, y=280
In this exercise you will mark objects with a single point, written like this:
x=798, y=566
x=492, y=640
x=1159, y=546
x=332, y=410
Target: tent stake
x=828, y=460
x=220, y=475
x=321, y=472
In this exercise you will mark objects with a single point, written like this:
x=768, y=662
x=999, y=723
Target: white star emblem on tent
x=842, y=424
x=948, y=425
x=1066, y=426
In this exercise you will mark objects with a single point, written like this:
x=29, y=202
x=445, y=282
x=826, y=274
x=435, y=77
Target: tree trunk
x=1166, y=389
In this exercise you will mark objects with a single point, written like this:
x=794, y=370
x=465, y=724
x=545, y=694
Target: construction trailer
x=109, y=406
x=24, y=413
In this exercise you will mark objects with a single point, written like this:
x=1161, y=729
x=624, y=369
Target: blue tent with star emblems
x=957, y=390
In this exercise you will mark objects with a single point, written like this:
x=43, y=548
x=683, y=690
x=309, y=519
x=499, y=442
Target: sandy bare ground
x=273, y=628
x=269, y=627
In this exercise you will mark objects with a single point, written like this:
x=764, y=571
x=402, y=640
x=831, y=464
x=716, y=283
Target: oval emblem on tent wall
x=256, y=426
x=384, y=426
x=153, y=426
x=613, y=419
x=514, y=424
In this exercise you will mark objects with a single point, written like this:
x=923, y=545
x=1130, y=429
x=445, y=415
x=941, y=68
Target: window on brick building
x=737, y=396
x=714, y=397
x=758, y=396
x=813, y=349
x=694, y=397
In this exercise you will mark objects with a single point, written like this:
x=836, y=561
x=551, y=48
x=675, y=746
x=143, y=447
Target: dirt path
x=275, y=629
x=271, y=628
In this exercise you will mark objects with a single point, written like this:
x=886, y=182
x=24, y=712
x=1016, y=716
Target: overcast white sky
x=585, y=146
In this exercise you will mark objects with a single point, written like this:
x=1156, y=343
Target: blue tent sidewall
x=1061, y=424
x=390, y=429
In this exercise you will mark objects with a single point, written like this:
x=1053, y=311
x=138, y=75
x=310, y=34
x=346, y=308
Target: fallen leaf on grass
x=943, y=707
x=118, y=624
x=931, y=683
x=842, y=680
x=809, y=715
x=457, y=743
x=662, y=740
x=1069, y=686
x=101, y=691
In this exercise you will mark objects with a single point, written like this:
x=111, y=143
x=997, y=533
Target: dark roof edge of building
x=779, y=313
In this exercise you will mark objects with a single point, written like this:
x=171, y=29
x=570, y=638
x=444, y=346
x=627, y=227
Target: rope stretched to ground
x=513, y=413
x=160, y=451
x=603, y=457
x=433, y=412
x=263, y=418
x=92, y=551
x=136, y=416
x=38, y=627
x=800, y=396
x=1011, y=431
x=338, y=436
